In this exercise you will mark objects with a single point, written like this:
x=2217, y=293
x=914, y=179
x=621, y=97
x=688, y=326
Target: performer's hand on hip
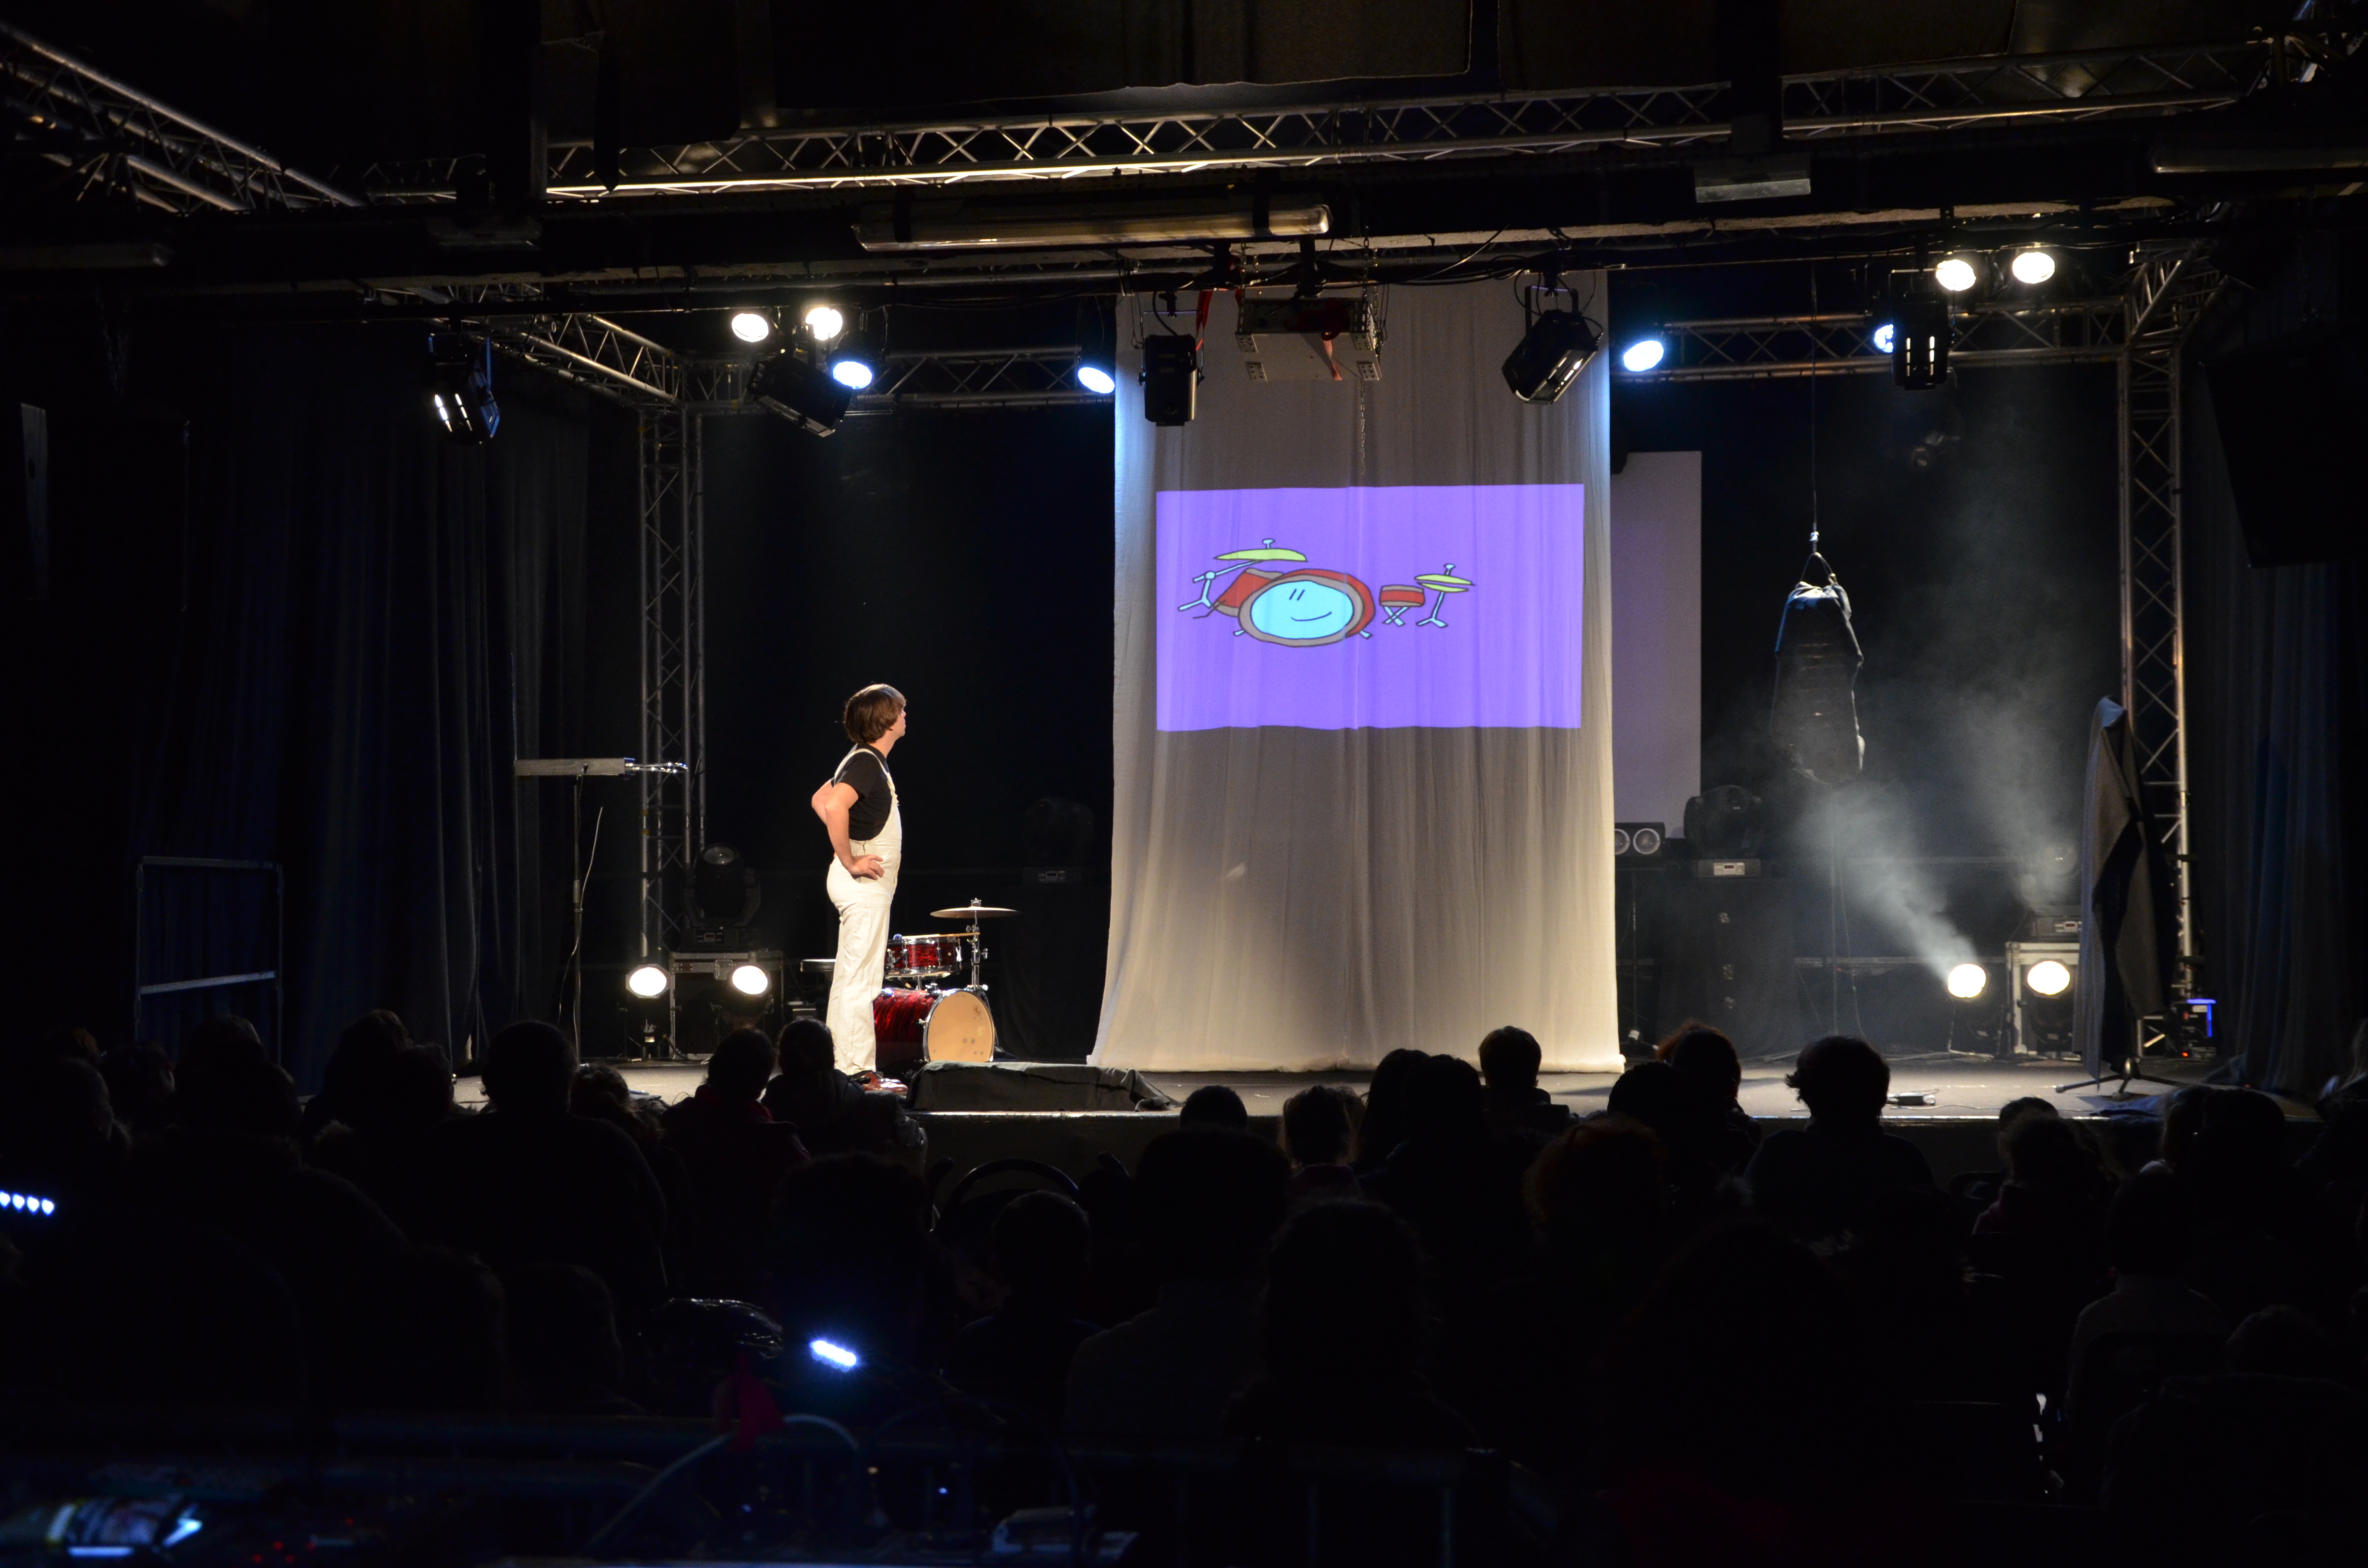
x=866, y=868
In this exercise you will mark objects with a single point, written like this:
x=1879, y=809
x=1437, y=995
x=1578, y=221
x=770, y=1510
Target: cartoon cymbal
x=1443, y=581
x=1265, y=551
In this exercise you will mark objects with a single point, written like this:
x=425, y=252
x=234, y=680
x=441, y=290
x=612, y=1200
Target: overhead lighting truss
x=109, y=137
x=2084, y=86
x=1015, y=378
x=1780, y=347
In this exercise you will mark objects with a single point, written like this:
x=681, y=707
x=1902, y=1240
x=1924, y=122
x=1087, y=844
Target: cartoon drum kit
x=1278, y=598
x=917, y=1019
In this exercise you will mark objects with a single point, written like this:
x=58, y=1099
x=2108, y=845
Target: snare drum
x=930, y=953
x=917, y=1026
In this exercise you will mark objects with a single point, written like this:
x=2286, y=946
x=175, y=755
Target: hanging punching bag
x=1815, y=718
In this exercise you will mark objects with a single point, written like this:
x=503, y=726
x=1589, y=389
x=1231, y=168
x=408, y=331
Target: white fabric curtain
x=1293, y=898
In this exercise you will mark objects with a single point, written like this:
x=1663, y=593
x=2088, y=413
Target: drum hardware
x=974, y=912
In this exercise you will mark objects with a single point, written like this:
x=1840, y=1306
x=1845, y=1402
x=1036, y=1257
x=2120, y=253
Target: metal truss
x=1782, y=347
x=1943, y=97
x=2169, y=289
x=110, y=138
x=674, y=662
x=1008, y=378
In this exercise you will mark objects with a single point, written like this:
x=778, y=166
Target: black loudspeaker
x=2288, y=413
x=1727, y=960
x=1171, y=379
x=24, y=504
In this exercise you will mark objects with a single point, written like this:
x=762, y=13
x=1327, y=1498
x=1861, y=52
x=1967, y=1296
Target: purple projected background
x=1354, y=651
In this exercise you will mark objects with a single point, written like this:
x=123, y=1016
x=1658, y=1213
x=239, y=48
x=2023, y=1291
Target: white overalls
x=855, y=979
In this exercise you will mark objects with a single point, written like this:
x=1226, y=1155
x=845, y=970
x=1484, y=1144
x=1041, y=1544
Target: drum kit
x=917, y=1018
x=1278, y=598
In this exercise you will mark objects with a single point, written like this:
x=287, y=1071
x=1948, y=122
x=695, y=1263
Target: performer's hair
x=870, y=712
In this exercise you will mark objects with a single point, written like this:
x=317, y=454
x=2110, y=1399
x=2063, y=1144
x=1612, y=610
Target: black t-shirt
x=868, y=776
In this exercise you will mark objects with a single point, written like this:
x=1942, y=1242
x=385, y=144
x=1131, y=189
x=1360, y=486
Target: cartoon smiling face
x=1307, y=610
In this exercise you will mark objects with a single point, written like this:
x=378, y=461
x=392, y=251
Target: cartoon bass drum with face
x=1304, y=607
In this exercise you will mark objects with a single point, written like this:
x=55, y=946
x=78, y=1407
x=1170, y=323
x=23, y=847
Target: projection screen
x=1363, y=702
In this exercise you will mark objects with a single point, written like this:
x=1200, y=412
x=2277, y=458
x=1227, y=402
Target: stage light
x=799, y=392
x=1096, y=379
x=1643, y=354
x=2047, y=977
x=1881, y=337
x=29, y=1203
x=751, y=326
x=750, y=980
x=850, y=373
x=1551, y=355
x=2033, y=265
x=1956, y=273
x=959, y=221
x=1968, y=981
x=831, y=1355
x=648, y=980
x=459, y=381
x=824, y=321
x=1920, y=346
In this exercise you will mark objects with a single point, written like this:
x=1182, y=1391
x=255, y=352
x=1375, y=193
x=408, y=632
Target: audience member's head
x=1208, y=1201
x=1907, y=1253
x=1657, y=1095
x=598, y=1089
x=1344, y=1297
x=429, y=1337
x=1509, y=1059
x=2283, y=1342
x=529, y=1067
x=418, y=1091
x=2242, y=1141
x=57, y=1128
x=227, y=1083
x=856, y=1261
x=140, y=1085
x=2046, y=1153
x=2182, y=1118
x=355, y=1079
x=1318, y=1125
x=1704, y=1055
x=562, y=1336
x=806, y=1046
x=1214, y=1106
x=1843, y=1081
x=1038, y=1248
x=2150, y=1229
x=1445, y=1102
x=1385, y=1127
x=1598, y=1185
x=741, y=1065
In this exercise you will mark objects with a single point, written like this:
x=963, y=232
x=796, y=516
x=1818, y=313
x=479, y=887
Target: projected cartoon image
x=1369, y=576
x=1277, y=598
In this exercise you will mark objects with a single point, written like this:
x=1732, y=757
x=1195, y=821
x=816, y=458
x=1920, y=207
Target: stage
x=1956, y=1131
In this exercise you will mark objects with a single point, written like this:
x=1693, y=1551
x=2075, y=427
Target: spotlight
x=1956, y=273
x=826, y=321
x=750, y=980
x=1550, y=355
x=1096, y=379
x=851, y=372
x=1171, y=378
x=831, y=1355
x=2033, y=265
x=799, y=392
x=1919, y=346
x=1643, y=354
x=648, y=980
x=1880, y=338
x=460, y=386
x=2047, y=977
x=751, y=326
x=29, y=1203
x=1968, y=981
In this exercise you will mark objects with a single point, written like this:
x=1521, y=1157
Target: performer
x=867, y=843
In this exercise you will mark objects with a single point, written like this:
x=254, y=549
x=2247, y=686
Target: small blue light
x=1882, y=338
x=98, y=1551
x=1643, y=354
x=49, y=1206
x=853, y=374
x=1096, y=379
x=182, y=1531
x=831, y=1355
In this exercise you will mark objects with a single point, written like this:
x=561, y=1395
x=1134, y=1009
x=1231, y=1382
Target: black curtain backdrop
x=290, y=623
x=2277, y=688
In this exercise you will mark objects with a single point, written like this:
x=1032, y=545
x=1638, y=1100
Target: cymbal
x=1261, y=555
x=1444, y=582
x=971, y=912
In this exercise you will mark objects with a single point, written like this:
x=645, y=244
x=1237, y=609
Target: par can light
x=851, y=373
x=826, y=321
x=750, y=980
x=1956, y=273
x=1096, y=380
x=751, y=326
x=1882, y=337
x=1968, y=981
x=648, y=981
x=1643, y=354
x=2033, y=265
x=2048, y=978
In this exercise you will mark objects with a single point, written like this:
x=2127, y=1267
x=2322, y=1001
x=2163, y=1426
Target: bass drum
x=915, y=1028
